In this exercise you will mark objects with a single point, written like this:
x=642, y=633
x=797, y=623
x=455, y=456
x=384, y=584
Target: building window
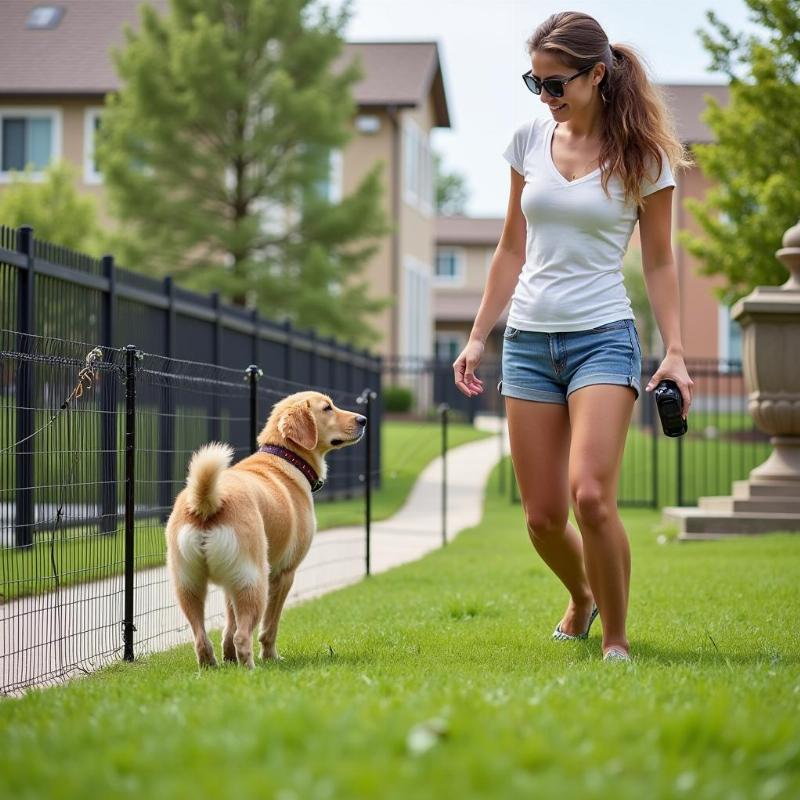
x=450, y=266
x=729, y=341
x=91, y=124
x=330, y=187
x=416, y=309
x=417, y=168
x=449, y=346
x=28, y=136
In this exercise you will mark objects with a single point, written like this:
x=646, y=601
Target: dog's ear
x=297, y=424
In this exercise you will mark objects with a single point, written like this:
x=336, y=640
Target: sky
x=482, y=50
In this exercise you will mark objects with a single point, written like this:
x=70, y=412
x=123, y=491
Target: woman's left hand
x=673, y=367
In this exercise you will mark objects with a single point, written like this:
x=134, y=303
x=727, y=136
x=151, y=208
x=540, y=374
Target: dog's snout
x=362, y=421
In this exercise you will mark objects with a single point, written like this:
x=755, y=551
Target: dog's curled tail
x=202, y=483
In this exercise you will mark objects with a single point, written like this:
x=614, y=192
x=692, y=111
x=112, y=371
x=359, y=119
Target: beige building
x=464, y=248
x=55, y=70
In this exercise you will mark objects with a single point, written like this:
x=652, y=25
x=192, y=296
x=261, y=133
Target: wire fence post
x=365, y=399
x=26, y=422
x=252, y=374
x=502, y=476
x=443, y=410
x=130, y=496
x=655, y=458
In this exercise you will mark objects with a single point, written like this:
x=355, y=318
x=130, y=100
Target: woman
x=580, y=179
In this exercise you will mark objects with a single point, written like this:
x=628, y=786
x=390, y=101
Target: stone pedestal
x=770, y=499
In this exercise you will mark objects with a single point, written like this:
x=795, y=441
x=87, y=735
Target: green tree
x=755, y=160
x=53, y=207
x=451, y=189
x=215, y=151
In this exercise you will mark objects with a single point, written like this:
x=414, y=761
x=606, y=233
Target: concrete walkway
x=42, y=637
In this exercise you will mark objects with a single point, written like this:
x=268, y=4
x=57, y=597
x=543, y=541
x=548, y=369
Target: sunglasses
x=554, y=86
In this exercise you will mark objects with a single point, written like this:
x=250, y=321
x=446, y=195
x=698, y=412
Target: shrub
x=397, y=399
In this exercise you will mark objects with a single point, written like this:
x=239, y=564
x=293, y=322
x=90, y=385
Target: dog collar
x=294, y=459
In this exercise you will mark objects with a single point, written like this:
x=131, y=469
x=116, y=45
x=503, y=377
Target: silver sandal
x=560, y=636
x=616, y=654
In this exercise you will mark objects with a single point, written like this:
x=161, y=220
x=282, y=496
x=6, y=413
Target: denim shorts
x=548, y=367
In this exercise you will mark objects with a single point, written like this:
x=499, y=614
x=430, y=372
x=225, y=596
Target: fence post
x=502, y=476
x=252, y=374
x=130, y=496
x=654, y=424
x=26, y=422
x=108, y=400
x=443, y=410
x=365, y=399
x=349, y=455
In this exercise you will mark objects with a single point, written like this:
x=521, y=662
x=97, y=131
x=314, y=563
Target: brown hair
x=636, y=120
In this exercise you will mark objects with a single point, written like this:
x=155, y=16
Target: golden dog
x=248, y=527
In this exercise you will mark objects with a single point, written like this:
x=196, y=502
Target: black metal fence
x=430, y=383
x=722, y=445
x=53, y=292
x=95, y=444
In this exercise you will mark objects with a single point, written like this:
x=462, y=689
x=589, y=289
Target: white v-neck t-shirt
x=576, y=238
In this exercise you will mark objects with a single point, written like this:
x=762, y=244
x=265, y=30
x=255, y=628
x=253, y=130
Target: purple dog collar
x=295, y=460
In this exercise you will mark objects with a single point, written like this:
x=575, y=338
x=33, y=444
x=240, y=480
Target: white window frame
x=410, y=163
x=458, y=278
x=91, y=176
x=417, y=309
x=56, y=118
x=417, y=168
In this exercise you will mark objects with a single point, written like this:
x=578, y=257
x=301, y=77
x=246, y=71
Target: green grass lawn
x=72, y=555
x=439, y=679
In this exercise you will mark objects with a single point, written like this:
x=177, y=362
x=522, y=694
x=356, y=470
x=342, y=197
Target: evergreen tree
x=214, y=151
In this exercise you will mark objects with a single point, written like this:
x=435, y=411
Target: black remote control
x=669, y=402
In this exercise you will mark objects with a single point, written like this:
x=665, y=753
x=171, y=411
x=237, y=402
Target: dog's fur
x=248, y=527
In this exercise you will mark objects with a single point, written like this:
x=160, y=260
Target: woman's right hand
x=464, y=367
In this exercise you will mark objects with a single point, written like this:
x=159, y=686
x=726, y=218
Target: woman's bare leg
x=599, y=418
x=540, y=444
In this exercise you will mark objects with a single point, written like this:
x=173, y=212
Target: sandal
x=616, y=654
x=560, y=636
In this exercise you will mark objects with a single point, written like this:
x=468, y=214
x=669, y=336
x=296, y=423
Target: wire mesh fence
x=96, y=443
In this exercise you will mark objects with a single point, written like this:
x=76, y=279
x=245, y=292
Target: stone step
x=756, y=505
x=691, y=520
x=748, y=489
